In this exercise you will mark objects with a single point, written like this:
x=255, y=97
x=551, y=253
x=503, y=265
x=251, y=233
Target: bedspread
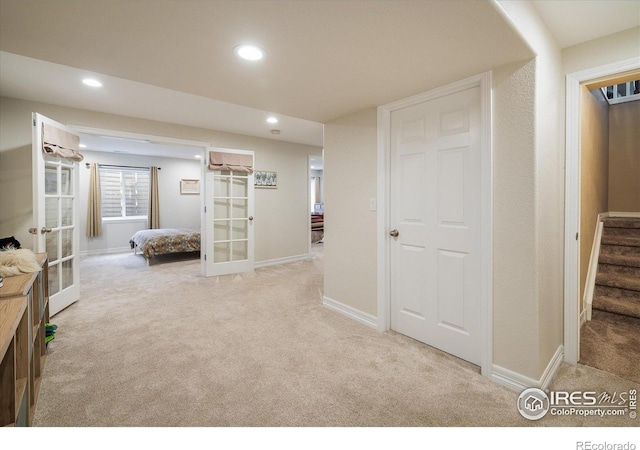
x=163, y=241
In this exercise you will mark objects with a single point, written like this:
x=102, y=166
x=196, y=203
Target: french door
x=229, y=222
x=56, y=217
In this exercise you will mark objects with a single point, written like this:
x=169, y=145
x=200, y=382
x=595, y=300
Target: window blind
x=125, y=192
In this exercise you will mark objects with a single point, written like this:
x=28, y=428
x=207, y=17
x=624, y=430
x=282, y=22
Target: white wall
x=176, y=210
x=276, y=210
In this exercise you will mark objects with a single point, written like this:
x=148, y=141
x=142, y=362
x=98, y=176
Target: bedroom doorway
x=125, y=157
x=316, y=203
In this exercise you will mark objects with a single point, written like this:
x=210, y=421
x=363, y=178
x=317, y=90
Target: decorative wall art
x=265, y=179
x=189, y=186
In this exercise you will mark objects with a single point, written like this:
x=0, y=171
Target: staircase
x=617, y=288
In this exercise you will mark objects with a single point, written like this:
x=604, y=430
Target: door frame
x=572, y=315
x=198, y=145
x=483, y=81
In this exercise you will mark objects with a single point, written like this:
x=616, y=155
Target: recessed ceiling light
x=249, y=52
x=198, y=156
x=91, y=82
x=83, y=146
x=272, y=119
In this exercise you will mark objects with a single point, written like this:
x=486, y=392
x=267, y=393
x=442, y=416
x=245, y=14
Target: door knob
x=33, y=230
x=44, y=230
x=250, y=218
x=394, y=233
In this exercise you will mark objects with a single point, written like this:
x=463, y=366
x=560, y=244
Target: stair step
x=629, y=237
x=618, y=301
x=618, y=276
x=622, y=222
x=620, y=255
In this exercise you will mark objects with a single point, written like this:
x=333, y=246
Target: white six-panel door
x=435, y=207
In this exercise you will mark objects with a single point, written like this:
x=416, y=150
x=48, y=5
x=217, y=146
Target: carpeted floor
x=611, y=342
x=162, y=346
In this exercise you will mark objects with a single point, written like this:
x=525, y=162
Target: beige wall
x=528, y=325
x=624, y=157
x=276, y=210
x=594, y=172
x=350, y=161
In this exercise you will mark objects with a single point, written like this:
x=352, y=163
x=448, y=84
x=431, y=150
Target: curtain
x=94, y=208
x=59, y=143
x=154, y=201
x=231, y=161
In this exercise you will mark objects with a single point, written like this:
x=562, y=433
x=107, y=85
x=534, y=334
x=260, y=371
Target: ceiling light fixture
x=82, y=146
x=198, y=156
x=249, y=52
x=92, y=82
x=272, y=119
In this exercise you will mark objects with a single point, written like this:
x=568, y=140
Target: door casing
x=383, y=218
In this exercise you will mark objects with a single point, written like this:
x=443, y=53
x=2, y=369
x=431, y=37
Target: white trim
x=384, y=149
x=590, y=282
x=149, y=137
x=572, y=199
x=518, y=382
x=353, y=313
x=285, y=260
x=583, y=317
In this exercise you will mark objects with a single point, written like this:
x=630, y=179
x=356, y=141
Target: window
x=125, y=192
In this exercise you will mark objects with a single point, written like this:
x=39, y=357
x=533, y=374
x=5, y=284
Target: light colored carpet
x=163, y=346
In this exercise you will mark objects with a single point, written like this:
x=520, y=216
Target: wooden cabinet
x=24, y=311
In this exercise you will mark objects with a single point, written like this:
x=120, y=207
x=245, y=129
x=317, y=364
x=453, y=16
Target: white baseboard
x=519, y=382
x=106, y=251
x=352, y=313
x=286, y=259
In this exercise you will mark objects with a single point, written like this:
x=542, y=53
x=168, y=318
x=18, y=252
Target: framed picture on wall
x=189, y=187
x=265, y=179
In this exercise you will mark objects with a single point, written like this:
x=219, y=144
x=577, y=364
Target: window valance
x=230, y=161
x=60, y=144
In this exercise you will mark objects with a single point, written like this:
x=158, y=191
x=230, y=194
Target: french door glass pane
x=54, y=283
x=51, y=212
x=66, y=273
x=240, y=208
x=51, y=179
x=240, y=187
x=52, y=245
x=221, y=209
x=221, y=230
x=221, y=187
x=221, y=252
x=239, y=250
x=67, y=242
x=67, y=211
x=239, y=229
x=66, y=186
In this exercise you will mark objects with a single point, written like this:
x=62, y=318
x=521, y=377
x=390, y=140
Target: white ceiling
x=173, y=61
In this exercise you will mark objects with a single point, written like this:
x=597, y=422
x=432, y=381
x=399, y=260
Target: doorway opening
x=316, y=202
x=579, y=235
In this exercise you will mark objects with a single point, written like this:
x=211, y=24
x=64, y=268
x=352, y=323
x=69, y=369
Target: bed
x=164, y=241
